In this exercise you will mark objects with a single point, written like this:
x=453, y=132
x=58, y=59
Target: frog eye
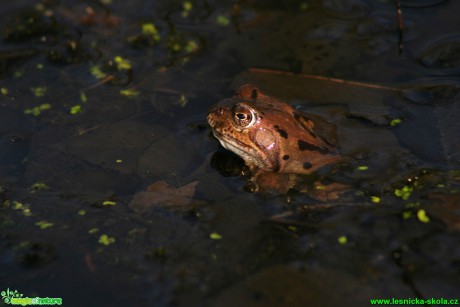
x=243, y=116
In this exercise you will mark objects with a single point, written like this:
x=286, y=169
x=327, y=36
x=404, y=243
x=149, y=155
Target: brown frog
x=271, y=135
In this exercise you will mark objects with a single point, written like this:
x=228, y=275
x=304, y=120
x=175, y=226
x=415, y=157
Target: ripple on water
x=420, y=3
x=384, y=24
x=347, y=9
x=443, y=54
x=329, y=32
x=380, y=29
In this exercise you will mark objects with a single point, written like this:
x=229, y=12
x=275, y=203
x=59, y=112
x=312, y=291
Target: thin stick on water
x=400, y=24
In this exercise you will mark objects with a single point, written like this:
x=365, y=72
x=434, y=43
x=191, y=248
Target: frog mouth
x=247, y=153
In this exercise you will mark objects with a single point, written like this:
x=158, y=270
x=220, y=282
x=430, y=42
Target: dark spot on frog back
x=286, y=157
x=318, y=127
x=282, y=132
x=307, y=165
x=303, y=145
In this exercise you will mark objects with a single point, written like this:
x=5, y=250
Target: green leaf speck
x=191, y=46
x=106, y=240
x=122, y=63
x=75, y=109
x=404, y=192
x=422, y=216
x=215, y=236
x=150, y=29
x=395, y=122
x=342, y=240
x=97, y=73
x=38, y=186
x=37, y=110
x=130, y=93
x=223, y=20
x=83, y=97
x=375, y=199
x=406, y=214
x=44, y=224
x=38, y=91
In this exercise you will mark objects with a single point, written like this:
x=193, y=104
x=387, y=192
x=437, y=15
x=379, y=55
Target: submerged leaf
x=161, y=193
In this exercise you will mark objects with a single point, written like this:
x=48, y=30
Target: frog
x=273, y=137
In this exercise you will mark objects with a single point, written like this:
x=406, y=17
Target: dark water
x=113, y=191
